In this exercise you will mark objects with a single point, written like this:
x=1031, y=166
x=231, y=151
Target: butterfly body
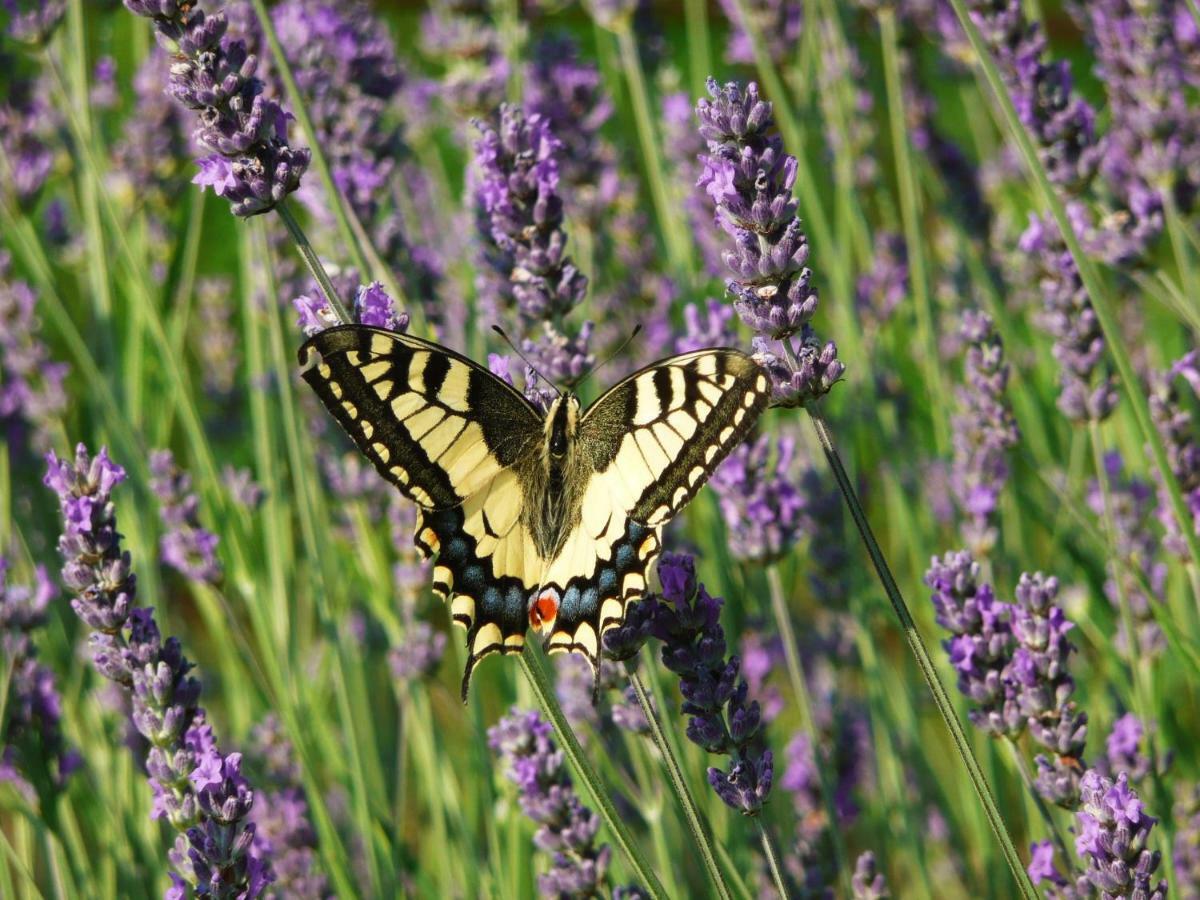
x=547, y=521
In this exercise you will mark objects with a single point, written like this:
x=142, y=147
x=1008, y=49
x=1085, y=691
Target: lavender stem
x=313, y=262
x=543, y=691
x=924, y=662
x=773, y=857
x=686, y=800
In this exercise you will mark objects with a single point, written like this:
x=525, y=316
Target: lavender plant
x=198, y=790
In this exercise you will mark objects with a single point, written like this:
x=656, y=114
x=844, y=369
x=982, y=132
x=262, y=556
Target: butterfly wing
x=451, y=436
x=652, y=441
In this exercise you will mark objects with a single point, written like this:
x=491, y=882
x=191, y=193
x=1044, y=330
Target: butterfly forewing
x=652, y=441
x=450, y=436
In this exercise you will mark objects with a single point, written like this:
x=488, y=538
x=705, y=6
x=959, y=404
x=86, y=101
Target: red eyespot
x=543, y=610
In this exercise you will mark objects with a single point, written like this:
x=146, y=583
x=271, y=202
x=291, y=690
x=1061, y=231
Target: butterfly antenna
x=525, y=359
x=600, y=365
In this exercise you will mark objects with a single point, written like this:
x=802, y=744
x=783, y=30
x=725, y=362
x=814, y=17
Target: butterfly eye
x=544, y=610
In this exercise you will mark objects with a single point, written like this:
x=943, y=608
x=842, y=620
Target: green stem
x=1044, y=811
x=535, y=674
x=772, y=857
x=312, y=261
x=1097, y=290
x=917, y=645
x=682, y=792
x=695, y=16
x=791, y=655
x=910, y=214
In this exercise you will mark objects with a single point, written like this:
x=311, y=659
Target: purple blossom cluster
x=1186, y=850
x=1145, y=60
x=1137, y=570
x=33, y=753
x=1062, y=124
x=461, y=36
x=1123, y=750
x=778, y=23
x=32, y=399
x=187, y=546
x=28, y=122
x=568, y=93
x=566, y=828
x=283, y=832
x=1174, y=420
x=686, y=618
x=372, y=306
x=749, y=176
x=984, y=430
x=882, y=288
x=250, y=163
x=525, y=267
x=1087, y=387
x=1012, y=662
x=32, y=22
x=867, y=882
x=762, y=508
x=197, y=789
x=1112, y=831
x=148, y=157
x=706, y=326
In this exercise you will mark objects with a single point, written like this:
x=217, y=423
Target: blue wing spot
x=570, y=606
x=607, y=580
x=473, y=580
x=624, y=556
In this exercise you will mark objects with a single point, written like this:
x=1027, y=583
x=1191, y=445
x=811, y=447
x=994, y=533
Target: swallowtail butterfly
x=547, y=521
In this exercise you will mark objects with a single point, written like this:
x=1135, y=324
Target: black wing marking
x=653, y=441
x=449, y=434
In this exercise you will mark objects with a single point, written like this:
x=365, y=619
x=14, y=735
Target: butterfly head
x=561, y=424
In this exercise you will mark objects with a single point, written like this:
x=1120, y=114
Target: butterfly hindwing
x=450, y=436
x=652, y=442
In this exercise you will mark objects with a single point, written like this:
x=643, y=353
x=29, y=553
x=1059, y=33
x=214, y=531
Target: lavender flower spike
x=1112, y=833
x=197, y=789
x=567, y=827
x=186, y=547
x=749, y=177
x=724, y=720
x=251, y=165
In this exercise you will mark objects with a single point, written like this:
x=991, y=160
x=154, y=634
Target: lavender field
x=931, y=629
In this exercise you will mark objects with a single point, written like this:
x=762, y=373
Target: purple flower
x=884, y=286
x=28, y=122
x=32, y=399
x=283, y=832
x=982, y=645
x=1144, y=62
x=1087, y=385
x=762, y=508
x=33, y=22
x=33, y=753
x=1186, y=849
x=250, y=162
x=460, y=34
x=779, y=24
x=1169, y=395
x=1113, y=831
x=723, y=718
x=868, y=882
x=984, y=431
x=372, y=306
x=749, y=177
x=418, y=654
x=187, y=547
x=1061, y=123
x=200, y=792
x=704, y=327
x=567, y=829
x=1138, y=570
x=1123, y=754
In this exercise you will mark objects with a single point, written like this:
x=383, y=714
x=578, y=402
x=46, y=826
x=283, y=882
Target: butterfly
x=543, y=520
